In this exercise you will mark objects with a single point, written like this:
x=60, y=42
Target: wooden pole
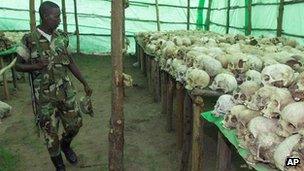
x=207, y=22
x=116, y=133
x=228, y=17
x=77, y=27
x=32, y=15
x=223, y=154
x=180, y=95
x=41, y=1
x=169, y=113
x=280, y=19
x=157, y=82
x=188, y=116
x=157, y=15
x=248, y=24
x=164, y=81
x=64, y=17
x=188, y=14
x=5, y=85
x=197, y=133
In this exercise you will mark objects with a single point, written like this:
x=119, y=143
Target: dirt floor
x=148, y=146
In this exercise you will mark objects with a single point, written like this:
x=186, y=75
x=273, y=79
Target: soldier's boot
x=68, y=152
x=58, y=163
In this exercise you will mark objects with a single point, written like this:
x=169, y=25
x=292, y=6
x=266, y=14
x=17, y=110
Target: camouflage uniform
x=54, y=92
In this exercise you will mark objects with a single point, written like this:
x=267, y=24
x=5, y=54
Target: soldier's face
x=53, y=18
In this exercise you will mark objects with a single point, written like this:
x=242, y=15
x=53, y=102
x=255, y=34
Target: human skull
x=224, y=82
x=231, y=119
x=292, y=119
x=261, y=98
x=279, y=75
x=196, y=78
x=256, y=126
x=253, y=75
x=281, y=98
x=284, y=150
x=193, y=58
x=254, y=63
x=264, y=145
x=243, y=119
x=223, y=105
x=245, y=91
x=211, y=66
x=294, y=61
x=297, y=88
x=238, y=63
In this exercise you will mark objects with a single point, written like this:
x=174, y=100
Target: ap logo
x=292, y=161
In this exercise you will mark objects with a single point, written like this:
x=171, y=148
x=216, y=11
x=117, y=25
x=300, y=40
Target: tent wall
x=94, y=18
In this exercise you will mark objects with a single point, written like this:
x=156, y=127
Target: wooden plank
x=188, y=14
x=228, y=17
x=223, y=154
x=280, y=19
x=180, y=95
x=116, y=133
x=5, y=85
x=157, y=82
x=197, y=134
x=32, y=15
x=77, y=26
x=207, y=21
x=64, y=17
x=141, y=57
x=170, y=90
x=206, y=93
x=153, y=79
x=148, y=61
x=145, y=64
x=188, y=116
x=157, y=15
x=164, y=82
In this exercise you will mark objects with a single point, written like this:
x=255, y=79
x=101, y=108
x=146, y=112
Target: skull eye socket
x=248, y=79
x=241, y=64
x=233, y=119
x=236, y=96
x=266, y=78
x=243, y=96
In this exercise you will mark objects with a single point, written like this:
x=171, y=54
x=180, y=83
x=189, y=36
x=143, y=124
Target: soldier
x=43, y=53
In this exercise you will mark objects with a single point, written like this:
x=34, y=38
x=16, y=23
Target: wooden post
x=207, y=22
x=280, y=19
x=197, y=133
x=5, y=85
x=148, y=61
x=188, y=14
x=153, y=79
x=164, y=81
x=188, y=115
x=116, y=133
x=40, y=20
x=64, y=17
x=223, y=154
x=32, y=15
x=157, y=15
x=228, y=17
x=141, y=57
x=248, y=23
x=77, y=27
x=180, y=95
x=157, y=82
x=145, y=64
x=170, y=90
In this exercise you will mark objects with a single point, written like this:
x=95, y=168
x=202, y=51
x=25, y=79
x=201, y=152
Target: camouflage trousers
x=51, y=112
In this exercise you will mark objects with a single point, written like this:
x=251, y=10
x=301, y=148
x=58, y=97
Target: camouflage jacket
x=50, y=83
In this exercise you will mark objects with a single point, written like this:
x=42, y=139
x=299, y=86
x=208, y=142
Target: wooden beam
x=223, y=153
x=180, y=95
x=164, y=81
x=77, y=26
x=248, y=14
x=64, y=17
x=188, y=14
x=197, y=134
x=157, y=15
x=228, y=17
x=188, y=116
x=32, y=15
x=5, y=85
x=157, y=82
x=280, y=19
x=169, y=113
x=207, y=21
x=116, y=133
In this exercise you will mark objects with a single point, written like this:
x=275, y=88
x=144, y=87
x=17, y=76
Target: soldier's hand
x=88, y=90
x=42, y=63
